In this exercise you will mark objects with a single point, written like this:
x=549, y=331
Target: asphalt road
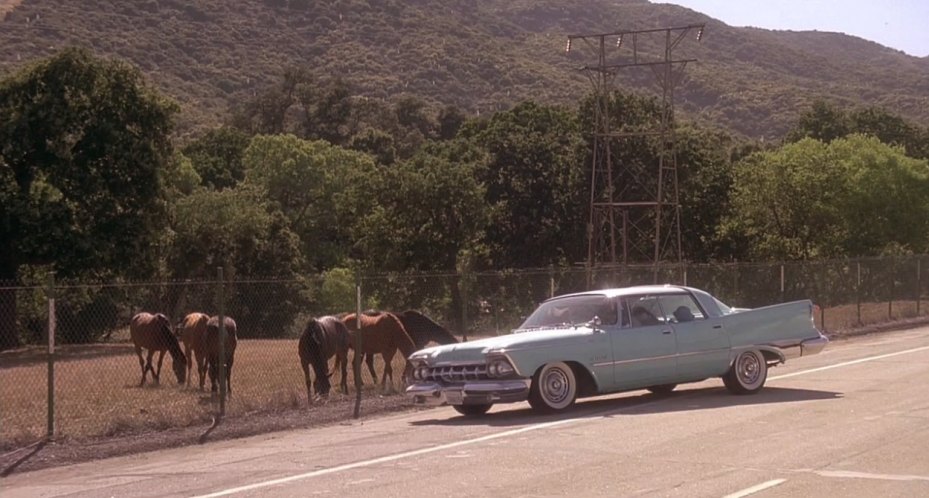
x=851, y=421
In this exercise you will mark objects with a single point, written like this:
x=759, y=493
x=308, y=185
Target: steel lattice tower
x=635, y=209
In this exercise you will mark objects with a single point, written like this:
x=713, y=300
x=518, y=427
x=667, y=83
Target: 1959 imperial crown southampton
x=607, y=341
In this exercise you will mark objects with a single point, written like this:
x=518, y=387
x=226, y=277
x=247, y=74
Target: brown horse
x=212, y=343
x=153, y=332
x=322, y=339
x=381, y=334
x=192, y=332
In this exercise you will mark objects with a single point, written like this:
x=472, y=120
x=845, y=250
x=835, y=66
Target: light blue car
x=607, y=341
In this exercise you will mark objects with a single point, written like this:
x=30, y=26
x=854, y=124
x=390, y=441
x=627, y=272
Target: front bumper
x=470, y=393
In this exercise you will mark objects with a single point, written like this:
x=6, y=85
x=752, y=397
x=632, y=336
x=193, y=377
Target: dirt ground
x=70, y=451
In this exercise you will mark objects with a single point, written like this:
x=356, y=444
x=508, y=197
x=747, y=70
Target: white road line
x=390, y=458
x=754, y=489
x=864, y=475
x=847, y=363
x=490, y=437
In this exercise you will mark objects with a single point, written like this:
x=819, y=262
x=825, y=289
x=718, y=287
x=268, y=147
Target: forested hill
x=481, y=55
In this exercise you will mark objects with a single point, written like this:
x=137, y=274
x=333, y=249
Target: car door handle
x=717, y=326
x=665, y=332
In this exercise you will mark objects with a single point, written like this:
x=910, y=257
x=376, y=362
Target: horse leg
x=138, y=351
x=190, y=363
x=369, y=359
x=213, y=371
x=388, y=368
x=306, y=375
x=229, y=376
x=342, y=359
x=161, y=359
x=201, y=368
x=148, y=367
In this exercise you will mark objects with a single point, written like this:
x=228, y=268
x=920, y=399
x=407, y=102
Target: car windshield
x=572, y=310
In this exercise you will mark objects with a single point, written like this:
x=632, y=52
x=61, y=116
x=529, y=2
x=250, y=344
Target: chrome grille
x=457, y=373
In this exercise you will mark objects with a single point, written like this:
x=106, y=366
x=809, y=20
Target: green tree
x=536, y=185
x=852, y=197
x=311, y=183
x=428, y=210
x=83, y=146
x=217, y=157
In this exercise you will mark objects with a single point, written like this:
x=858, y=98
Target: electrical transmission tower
x=635, y=211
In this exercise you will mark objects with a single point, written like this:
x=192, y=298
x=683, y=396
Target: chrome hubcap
x=749, y=368
x=555, y=386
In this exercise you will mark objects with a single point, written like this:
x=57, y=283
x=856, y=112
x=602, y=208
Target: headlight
x=499, y=367
x=422, y=372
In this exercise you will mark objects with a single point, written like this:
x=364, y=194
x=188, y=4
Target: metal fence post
x=221, y=371
x=356, y=361
x=858, y=290
x=50, y=430
x=919, y=284
x=890, y=301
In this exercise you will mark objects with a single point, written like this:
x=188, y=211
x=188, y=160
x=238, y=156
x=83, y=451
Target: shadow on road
x=679, y=401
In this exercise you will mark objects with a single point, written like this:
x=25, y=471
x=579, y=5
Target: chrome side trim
x=663, y=357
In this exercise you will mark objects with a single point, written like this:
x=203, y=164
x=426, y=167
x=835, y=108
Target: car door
x=644, y=347
x=702, y=343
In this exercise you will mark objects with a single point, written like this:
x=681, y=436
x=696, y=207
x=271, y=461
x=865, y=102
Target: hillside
x=480, y=55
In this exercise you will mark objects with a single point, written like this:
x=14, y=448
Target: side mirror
x=595, y=323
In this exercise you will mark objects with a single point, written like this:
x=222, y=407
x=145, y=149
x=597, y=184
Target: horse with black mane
x=382, y=334
x=211, y=346
x=322, y=339
x=153, y=332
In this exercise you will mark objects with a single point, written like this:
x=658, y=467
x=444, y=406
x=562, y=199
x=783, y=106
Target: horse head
x=318, y=360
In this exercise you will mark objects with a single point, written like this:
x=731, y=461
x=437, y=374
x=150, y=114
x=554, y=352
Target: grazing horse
x=382, y=334
x=322, y=339
x=212, y=350
x=424, y=330
x=192, y=331
x=153, y=332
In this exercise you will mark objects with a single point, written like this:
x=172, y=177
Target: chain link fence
x=85, y=380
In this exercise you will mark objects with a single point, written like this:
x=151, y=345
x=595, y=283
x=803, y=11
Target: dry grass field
x=98, y=395
x=97, y=391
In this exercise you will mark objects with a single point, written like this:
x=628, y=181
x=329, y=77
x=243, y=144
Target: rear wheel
x=662, y=389
x=747, y=374
x=554, y=388
x=472, y=410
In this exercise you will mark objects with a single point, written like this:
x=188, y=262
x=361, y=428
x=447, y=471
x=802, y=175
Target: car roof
x=634, y=290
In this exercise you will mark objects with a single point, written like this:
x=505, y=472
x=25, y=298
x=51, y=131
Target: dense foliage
x=309, y=178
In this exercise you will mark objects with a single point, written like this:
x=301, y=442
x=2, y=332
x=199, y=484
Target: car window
x=641, y=311
x=573, y=310
x=680, y=308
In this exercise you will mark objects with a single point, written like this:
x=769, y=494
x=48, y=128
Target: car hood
x=474, y=351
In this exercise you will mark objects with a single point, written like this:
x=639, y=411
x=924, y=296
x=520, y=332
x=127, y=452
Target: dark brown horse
x=424, y=330
x=212, y=343
x=153, y=332
x=382, y=334
x=322, y=339
x=192, y=331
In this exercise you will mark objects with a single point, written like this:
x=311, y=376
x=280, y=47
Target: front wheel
x=554, y=388
x=472, y=410
x=747, y=374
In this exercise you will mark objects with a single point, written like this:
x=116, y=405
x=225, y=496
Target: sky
x=899, y=24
